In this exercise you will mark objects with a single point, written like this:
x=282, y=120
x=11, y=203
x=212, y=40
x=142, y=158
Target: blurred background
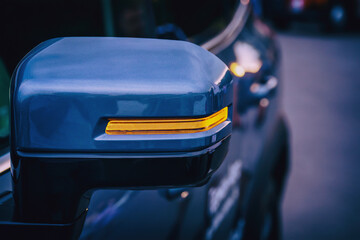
x=320, y=46
x=321, y=100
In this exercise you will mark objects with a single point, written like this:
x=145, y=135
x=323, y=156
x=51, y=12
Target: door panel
x=255, y=141
x=218, y=209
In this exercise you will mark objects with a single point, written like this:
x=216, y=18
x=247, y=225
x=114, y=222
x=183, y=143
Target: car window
x=200, y=20
x=196, y=20
x=24, y=24
x=4, y=105
x=203, y=19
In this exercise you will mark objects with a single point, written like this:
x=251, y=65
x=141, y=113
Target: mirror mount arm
x=68, y=183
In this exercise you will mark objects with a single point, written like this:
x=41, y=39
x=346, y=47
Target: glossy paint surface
x=66, y=90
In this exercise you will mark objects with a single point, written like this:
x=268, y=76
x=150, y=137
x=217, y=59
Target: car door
x=252, y=55
x=209, y=211
x=168, y=213
x=217, y=210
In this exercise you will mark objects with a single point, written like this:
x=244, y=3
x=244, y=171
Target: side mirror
x=91, y=113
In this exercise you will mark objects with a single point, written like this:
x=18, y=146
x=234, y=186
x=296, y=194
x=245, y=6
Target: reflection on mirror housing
x=75, y=101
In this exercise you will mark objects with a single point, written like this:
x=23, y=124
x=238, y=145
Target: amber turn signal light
x=165, y=126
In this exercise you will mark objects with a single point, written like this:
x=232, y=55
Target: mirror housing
x=95, y=112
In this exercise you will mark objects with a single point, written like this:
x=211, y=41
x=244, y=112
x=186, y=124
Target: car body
x=242, y=200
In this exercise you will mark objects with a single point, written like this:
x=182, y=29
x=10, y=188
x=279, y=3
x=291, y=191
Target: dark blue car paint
x=164, y=214
x=105, y=78
x=63, y=94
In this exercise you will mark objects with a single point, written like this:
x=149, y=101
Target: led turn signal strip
x=165, y=126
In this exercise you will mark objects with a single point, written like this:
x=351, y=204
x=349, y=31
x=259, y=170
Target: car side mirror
x=94, y=112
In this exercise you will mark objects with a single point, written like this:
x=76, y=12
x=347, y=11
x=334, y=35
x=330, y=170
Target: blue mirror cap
x=65, y=90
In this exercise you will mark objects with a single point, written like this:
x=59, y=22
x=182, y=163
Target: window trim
x=229, y=34
x=4, y=162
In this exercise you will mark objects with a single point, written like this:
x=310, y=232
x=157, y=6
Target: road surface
x=322, y=101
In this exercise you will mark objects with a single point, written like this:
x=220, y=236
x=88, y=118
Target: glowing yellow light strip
x=165, y=126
